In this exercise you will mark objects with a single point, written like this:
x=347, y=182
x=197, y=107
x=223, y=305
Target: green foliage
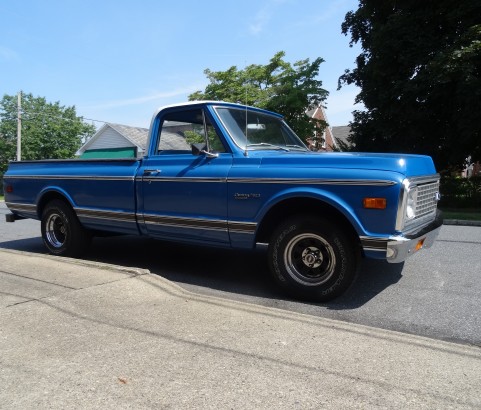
x=197, y=137
x=420, y=77
x=192, y=137
x=457, y=192
x=278, y=86
x=49, y=130
x=464, y=214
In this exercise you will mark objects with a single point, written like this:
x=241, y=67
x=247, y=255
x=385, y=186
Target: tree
x=49, y=130
x=288, y=89
x=420, y=77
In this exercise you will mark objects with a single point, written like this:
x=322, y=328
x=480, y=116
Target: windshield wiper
x=298, y=147
x=267, y=145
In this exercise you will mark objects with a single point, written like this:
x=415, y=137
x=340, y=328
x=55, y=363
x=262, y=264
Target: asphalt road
x=436, y=293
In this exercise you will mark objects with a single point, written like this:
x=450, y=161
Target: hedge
x=457, y=192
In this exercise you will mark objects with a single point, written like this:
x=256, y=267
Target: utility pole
x=19, y=127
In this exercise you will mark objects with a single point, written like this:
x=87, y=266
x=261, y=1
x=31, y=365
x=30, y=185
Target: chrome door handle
x=152, y=171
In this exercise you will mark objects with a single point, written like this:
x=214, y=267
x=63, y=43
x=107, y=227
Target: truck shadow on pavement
x=236, y=274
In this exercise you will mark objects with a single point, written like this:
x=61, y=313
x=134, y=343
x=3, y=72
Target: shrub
x=457, y=192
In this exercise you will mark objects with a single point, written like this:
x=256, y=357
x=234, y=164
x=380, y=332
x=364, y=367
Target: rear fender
x=49, y=193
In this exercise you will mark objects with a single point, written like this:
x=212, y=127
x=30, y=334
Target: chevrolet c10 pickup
x=228, y=175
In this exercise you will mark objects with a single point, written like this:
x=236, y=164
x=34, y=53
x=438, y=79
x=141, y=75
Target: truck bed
x=101, y=191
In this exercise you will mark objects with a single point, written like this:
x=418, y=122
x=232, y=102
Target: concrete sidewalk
x=76, y=334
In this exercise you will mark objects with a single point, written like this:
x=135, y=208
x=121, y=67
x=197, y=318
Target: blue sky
x=119, y=60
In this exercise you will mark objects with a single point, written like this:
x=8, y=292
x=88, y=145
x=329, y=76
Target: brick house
x=328, y=141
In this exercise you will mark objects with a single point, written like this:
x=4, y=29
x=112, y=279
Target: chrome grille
x=427, y=199
x=426, y=203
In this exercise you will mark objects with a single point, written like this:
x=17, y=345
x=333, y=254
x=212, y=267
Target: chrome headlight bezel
x=417, y=204
x=407, y=204
x=411, y=202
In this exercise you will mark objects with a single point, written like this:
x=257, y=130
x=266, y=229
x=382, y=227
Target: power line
x=43, y=114
x=27, y=115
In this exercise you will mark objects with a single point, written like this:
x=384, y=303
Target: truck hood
x=407, y=164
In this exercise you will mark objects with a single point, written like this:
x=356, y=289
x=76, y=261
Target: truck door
x=183, y=192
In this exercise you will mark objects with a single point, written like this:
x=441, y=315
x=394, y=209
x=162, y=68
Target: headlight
x=417, y=202
x=412, y=196
x=407, y=204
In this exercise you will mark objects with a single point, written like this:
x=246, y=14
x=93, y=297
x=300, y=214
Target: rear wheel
x=62, y=232
x=312, y=259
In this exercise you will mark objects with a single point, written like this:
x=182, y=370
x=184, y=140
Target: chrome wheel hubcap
x=310, y=259
x=55, y=230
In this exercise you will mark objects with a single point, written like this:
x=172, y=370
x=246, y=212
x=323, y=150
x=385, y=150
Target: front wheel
x=312, y=259
x=62, y=232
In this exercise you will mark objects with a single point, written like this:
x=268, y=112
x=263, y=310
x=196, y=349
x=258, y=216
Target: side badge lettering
x=246, y=196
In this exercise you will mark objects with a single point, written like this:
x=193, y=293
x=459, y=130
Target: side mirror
x=199, y=149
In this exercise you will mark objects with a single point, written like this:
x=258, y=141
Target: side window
x=213, y=139
x=182, y=128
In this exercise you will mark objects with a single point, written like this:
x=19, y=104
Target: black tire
x=312, y=259
x=62, y=232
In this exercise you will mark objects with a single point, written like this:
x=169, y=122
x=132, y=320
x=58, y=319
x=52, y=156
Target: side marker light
x=419, y=245
x=374, y=203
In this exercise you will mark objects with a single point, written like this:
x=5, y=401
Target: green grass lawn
x=463, y=214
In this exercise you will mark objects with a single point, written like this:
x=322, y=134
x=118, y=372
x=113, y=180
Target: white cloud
x=325, y=12
x=263, y=16
x=146, y=98
x=8, y=54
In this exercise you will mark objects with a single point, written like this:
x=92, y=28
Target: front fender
x=323, y=196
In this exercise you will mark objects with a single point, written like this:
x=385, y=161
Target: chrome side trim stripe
x=210, y=224
x=242, y=227
x=313, y=181
x=106, y=215
x=297, y=181
x=181, y=179
x=72, y=177
x=13, y=206
x=131, y=217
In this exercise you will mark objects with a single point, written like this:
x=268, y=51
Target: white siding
x=110, y=139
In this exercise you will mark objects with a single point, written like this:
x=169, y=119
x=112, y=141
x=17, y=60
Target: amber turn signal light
x=374, y=203
x=419, y=245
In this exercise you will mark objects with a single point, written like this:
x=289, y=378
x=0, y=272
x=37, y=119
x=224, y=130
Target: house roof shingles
x=341, y=133
x=139, y=136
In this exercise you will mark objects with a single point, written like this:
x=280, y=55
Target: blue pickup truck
x=228, y=175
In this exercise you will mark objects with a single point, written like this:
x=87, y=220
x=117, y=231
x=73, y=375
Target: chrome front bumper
x=398, y=248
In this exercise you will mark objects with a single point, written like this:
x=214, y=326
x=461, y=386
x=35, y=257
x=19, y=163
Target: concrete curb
x=178, y=291
x=461, y=222
x=81, y=262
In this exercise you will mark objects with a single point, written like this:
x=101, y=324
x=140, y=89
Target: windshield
x=253, y=130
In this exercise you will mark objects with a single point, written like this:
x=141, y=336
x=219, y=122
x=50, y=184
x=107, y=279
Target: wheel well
x=48, y=197
x=301, y=206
